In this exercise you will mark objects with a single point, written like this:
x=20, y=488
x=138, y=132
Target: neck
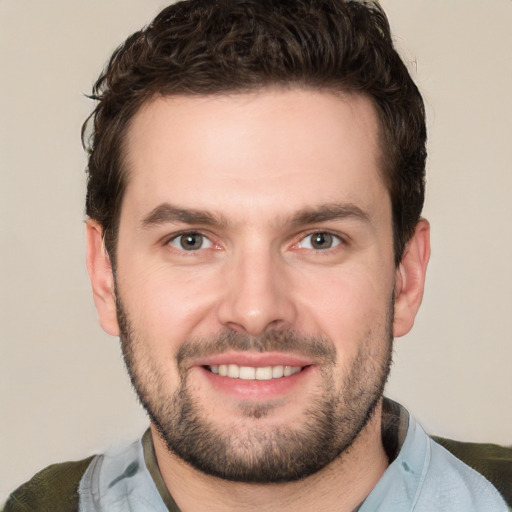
x=342, y=485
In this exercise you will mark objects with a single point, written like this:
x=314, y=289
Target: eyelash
x=334, y=238
x=177, y=236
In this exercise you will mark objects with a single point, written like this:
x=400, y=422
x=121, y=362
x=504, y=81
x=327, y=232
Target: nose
x=258, y=295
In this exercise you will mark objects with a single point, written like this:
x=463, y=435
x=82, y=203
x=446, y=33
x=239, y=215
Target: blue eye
x=190, y=242
x=319, y=241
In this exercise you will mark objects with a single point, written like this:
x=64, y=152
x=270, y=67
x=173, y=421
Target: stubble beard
x=332, y=421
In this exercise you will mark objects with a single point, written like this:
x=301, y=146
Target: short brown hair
x=197, y=47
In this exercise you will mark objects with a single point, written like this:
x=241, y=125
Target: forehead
x=274, y=150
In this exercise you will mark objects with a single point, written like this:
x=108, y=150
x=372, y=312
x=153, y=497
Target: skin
x=256, y=162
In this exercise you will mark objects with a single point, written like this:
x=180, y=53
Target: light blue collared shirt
x=424, y=477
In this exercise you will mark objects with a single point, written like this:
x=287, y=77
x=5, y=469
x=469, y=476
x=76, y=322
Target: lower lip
x=256, y=389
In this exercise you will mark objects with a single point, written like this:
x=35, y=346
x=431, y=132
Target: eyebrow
x=329, y=212
x=166, y=213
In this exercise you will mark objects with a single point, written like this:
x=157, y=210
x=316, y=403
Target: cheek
x=166, y=304
x=346, y=306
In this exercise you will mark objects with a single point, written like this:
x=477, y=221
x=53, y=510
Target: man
x=256, y=180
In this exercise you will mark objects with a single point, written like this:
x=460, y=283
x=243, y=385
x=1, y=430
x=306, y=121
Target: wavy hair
x=199, y=47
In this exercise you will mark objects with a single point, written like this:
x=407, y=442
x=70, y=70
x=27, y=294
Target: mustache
x=317, y=348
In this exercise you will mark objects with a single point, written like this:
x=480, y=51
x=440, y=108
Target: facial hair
x=333, y=418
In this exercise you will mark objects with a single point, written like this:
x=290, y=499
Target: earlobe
x=410, y=279
x=102, y=278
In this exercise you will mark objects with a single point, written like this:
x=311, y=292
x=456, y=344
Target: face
x=255, y=278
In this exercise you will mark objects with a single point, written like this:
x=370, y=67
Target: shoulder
x=492, y=461
x=54, y=489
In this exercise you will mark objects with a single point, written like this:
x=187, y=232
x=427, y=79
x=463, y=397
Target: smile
x=234, y=371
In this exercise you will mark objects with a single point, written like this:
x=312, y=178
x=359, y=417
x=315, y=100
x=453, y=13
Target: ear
x=102, y=278
x=410, y=279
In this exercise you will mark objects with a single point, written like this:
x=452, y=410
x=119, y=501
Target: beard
x=244, y=451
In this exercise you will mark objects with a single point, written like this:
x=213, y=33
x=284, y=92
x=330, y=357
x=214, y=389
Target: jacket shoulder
x=492, y=461
x=54, y=489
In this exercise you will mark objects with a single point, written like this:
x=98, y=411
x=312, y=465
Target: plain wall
x=63, y=390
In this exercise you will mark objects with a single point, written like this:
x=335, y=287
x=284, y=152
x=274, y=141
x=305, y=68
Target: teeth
x=234, y=371
x=247, y=372
x=277, y=372
x=288, y=370
x=263, y=373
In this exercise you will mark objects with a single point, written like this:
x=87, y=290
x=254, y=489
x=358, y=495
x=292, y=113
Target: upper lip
x=255, y=359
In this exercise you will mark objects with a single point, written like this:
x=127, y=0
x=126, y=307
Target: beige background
x=63, y=392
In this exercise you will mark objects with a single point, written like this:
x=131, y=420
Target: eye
x=320, y=240
x=190, y=242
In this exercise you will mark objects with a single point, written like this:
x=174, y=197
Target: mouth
x=235, y=371
x=255, y=376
